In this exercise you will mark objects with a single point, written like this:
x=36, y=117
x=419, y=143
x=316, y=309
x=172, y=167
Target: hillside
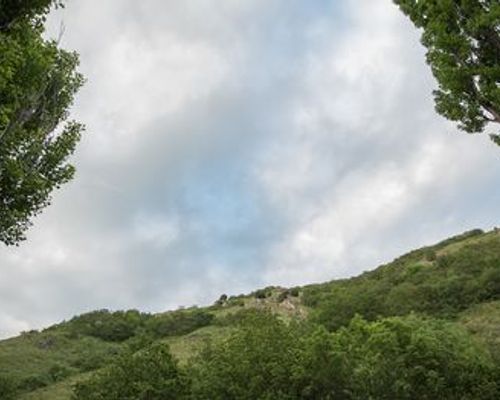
x=456, y=282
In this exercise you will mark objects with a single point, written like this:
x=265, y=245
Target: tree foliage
x=462, y=38
x=151, y=374
x=38, y=81
x=260, y=360
x=265, y=358
x=11, y=11
x=119, y=326
x=110, y=326
x=398, y=358
x=178, y=322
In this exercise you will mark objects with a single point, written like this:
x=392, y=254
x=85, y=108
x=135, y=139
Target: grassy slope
x=483, y=321
x=57, y=391
x=461, y=259
x=31, y=354
x=440, y=281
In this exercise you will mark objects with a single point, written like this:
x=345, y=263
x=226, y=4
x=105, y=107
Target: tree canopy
x=259, y=360
x=38, y=81
x=151, y=374
x=265, y=358
x=462, y=38
x=11, y=11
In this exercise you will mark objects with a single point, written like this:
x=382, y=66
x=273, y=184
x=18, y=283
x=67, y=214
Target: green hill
x=449, y=290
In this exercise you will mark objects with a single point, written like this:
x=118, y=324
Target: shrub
x=110, y=326
x=58, y=372
x=178, y=322
x=34, y=382
x=92, y=359
x=140, y=341
x=222, y=300
x=258, y=361
x=7, y=388
x=430, y=255
x=313, y=296
x=394, y=358
x=464, y=276
x=150, y=374
x=283, y=296
x=399, y=358
x=236, y=301
x=261, y=294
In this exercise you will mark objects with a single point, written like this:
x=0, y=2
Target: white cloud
x=10, y=326
x=157, y=230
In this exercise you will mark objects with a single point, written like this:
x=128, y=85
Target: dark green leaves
x=463, y=50
x=37, y=84
x=402, y=358
x=150, y=374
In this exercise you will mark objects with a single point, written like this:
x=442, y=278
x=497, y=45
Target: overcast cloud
x=236, y=144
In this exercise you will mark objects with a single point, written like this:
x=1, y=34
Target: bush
x=261, y=294
x=402, y=358
x=91, y=359
x=399, y=358
x=430, y=255
x=179, y=322
x=7, y=388
x=150, y=374
x=293, y=292
x=222, y=300
x=110, y=326
x=258, y=361
x=140, y=341
x=58, y=372
x=236, y=301
x=34, y=382
x=283, y=296
x=313, y=296
x=465, y=276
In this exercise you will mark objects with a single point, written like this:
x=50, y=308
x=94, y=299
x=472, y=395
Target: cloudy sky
x=232, y=145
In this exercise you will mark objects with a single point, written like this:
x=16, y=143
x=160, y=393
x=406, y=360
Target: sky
x=232, y=145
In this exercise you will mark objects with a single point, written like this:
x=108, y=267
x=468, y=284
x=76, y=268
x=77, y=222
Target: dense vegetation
x=149, y=374
x=426, y=325
x=122, y=325
x=265, y=358
x=435, y=281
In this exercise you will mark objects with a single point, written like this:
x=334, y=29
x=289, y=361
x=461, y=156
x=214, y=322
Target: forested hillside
x=426, y=326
